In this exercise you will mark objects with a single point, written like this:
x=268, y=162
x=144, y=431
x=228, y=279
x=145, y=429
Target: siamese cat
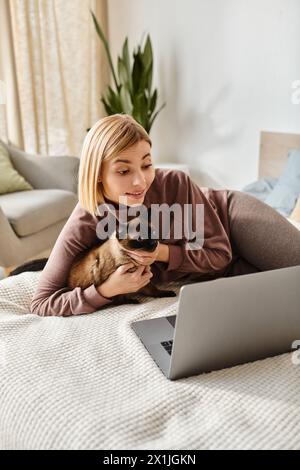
x=95, y=265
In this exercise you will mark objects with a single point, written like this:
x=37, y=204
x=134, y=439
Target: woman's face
x=127, y=174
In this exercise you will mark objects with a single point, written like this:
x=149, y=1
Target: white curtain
x=53, y=70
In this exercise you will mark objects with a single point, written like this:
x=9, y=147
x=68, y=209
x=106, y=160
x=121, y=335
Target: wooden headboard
x=274, y=148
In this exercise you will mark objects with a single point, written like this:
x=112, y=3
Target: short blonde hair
x=106, y=139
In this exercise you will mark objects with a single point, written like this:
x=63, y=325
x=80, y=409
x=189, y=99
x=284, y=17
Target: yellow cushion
x=10, y=180
x=295, y=215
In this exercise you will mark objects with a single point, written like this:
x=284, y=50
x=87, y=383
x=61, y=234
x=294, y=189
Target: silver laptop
x=224, y=322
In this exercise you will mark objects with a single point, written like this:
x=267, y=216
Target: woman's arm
x=52, y=296
x=215, y=253
x=164, y=253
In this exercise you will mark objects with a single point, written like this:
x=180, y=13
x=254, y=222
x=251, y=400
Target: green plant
x=133, y=85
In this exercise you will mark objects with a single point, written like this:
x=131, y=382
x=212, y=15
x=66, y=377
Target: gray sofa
x=30, y=221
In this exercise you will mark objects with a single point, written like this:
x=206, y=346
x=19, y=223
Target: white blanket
x=87, y=382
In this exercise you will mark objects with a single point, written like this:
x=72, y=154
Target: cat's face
x=137, y=234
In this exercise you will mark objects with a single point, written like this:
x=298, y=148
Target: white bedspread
x=87, y=382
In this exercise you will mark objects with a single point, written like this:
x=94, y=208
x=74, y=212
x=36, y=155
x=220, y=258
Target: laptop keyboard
x=168, y=346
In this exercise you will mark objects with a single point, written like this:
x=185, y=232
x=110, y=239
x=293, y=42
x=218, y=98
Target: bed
x=87, y=382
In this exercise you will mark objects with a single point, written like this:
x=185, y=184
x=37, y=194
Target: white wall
x=225, y=69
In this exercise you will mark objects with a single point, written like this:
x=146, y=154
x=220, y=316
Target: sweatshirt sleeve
x=215, y=253
x=53, y=296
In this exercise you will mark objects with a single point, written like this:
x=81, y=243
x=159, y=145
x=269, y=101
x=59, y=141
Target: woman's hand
x=123, y=282
x=144, y=258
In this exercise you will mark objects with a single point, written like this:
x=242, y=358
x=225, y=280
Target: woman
x=241, y=234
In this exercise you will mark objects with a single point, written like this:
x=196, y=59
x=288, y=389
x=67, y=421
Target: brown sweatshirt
x=54, y=297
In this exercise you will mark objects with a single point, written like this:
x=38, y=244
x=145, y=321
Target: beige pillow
x=10, y=180
x=295, y=215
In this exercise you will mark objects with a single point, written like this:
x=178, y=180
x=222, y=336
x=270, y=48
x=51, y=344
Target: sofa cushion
x=286, y=191
x=261, y=188
x=295, y=215
x=31, y=211
x=10, y=179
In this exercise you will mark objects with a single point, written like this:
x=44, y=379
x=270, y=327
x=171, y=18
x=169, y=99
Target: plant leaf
x=125, y=100
x=148, y=61
x=113, y=100
x=122, y=72
x=126, y=61
x=147, y=54
x=153, y=102
x=137, y=72
x=140, y=109
x=152, y=120
x=106, y=46
x=108, y=109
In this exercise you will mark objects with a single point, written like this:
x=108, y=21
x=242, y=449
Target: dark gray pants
x=262, y=238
